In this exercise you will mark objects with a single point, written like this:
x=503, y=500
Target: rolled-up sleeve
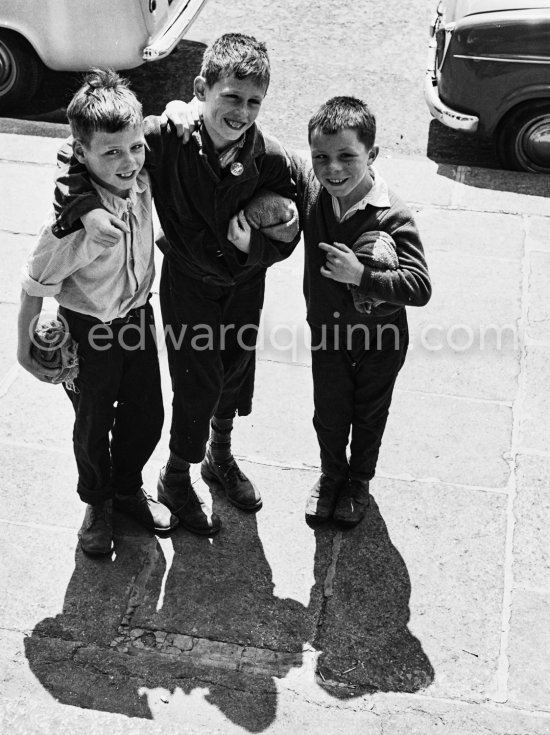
x=52, y=261
x=37, y=288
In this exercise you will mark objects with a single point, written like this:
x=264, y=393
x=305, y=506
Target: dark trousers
x=118, y=402
x=353, y=380
x=211, y=334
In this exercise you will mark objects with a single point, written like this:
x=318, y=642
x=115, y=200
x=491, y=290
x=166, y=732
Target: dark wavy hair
x=104, y=103
x=236, y=55
x=342, y=113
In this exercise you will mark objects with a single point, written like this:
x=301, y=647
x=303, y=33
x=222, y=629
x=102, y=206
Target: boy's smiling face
x=114, y=159
x=341, y=163
x=230, y=107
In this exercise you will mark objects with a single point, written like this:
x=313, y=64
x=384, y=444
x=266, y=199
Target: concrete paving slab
x=538, y=234
x=8, y=339
x=279, y=432
x=394, y=621
x=15, y=181
x=538, y=315
x=36, y=413
x=234, y=567
x=13, y=254
x=29, y=149
x=405, y=716
x=535, y=415
x=36, y=570
x=492, y=190
x=432, y=436
x=465, y=342
x=419, y=181
x=529, y=675
x=476, y=235
x=532, y=514
x=284, y=333
x=41, y=492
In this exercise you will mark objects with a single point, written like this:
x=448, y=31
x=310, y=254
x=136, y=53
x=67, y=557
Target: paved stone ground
x=430, y=617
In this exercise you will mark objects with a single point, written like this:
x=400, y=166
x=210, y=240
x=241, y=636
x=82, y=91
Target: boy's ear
x=373, y=153
x=199, y=86
x=79, y=150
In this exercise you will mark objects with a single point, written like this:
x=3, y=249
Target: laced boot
x=96, y=532
x=176, y=491
x=352, y=504
x=322, y=498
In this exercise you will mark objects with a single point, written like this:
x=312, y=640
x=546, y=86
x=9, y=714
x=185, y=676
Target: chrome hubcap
x=7, y=69
x=533, y=144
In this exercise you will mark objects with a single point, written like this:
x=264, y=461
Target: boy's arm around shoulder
x=409, y=284
x=76, y=202
x=74, y=194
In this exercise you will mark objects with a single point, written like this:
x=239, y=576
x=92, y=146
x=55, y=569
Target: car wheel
x=20, y=70
x=523, y=140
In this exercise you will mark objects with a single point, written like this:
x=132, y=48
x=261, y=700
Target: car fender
x=62, y=39
x=518, y=97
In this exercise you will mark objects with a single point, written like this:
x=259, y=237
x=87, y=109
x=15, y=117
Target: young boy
x=103, y=296
x=356, y=352
x=214, y=267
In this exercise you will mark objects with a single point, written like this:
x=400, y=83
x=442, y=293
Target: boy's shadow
x=365, y=642
x=222, y=590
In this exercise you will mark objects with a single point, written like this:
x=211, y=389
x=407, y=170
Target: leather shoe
x=96, y=532
x=352, y=504
x=238, y=488
x=175, y=490
x=146, y=510
x=322, y=498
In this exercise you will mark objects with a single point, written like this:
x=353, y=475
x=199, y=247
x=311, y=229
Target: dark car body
x=489, y=73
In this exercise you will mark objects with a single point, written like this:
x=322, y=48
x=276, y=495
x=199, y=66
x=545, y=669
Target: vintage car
x=74, y=35
x=489, y=73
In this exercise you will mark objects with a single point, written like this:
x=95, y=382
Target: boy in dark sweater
x=355, y=302
x=212, y=284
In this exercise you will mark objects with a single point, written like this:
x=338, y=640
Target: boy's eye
x=112, y=153
x=138, y=147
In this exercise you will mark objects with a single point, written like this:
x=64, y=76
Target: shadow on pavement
x=208, y=616
x=448, y=146
x=451, y=148
x=155, y=84
x=365, y=643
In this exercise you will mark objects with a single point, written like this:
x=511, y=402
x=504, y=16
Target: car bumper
x=168, y=36
x=442, y=112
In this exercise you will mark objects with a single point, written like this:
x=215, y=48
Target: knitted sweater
x=330, y=302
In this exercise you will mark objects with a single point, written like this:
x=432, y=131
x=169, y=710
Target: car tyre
x=523, y=138
x=20, y=70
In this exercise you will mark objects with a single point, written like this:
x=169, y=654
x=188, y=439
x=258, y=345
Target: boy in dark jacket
x=355, y=302
x=212, y=284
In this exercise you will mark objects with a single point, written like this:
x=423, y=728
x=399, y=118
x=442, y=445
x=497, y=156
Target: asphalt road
x=373, y=49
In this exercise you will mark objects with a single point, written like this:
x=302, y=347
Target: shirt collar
x=377, y=196
x=117, y=204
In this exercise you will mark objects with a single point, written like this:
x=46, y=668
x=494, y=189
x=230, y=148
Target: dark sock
x=220, y=440
x=177, y=465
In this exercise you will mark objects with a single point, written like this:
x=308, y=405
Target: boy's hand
x=27, y=361
x=342, y=264
x=182, y=117
x=103, y=228
x=239, y=232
